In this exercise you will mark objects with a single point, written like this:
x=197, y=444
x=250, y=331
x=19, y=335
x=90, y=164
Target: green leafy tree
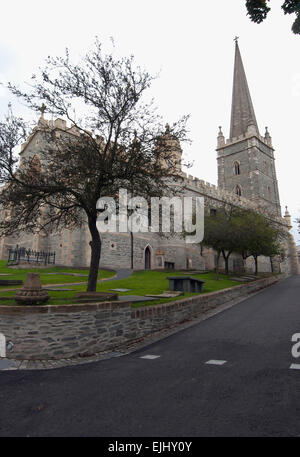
x=256, y=236
x=233, y=230
x=259, y=9
x=219, y=235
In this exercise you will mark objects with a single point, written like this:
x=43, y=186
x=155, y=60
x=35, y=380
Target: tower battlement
x=213, y=192
x=244, y=136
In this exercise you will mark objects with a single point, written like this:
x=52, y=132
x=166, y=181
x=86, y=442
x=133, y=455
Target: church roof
x=242, y=112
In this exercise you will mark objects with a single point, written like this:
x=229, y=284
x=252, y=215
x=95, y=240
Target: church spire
x=242, y=112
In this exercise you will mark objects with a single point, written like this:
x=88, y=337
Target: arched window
x=35, y=167
x=269, y=193
x=236, y=167
x=35, y=163
x=147, y=258
x=238, y=190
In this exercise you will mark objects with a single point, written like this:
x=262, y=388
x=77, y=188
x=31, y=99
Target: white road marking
x=295, y=366
x=216, y=362
x=150, y=357
x=2, y=345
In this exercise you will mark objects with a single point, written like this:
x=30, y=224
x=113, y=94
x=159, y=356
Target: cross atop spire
x=42, y=109
x=242, y=112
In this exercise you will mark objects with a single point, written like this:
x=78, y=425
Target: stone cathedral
x=246, y=179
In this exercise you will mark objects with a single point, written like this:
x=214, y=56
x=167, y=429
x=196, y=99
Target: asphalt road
x=255, y=393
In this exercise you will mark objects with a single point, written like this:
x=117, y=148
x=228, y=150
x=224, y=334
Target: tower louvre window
x=238, y=191
x=236, y=167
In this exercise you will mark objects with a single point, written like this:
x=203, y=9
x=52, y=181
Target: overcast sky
x=191, y=44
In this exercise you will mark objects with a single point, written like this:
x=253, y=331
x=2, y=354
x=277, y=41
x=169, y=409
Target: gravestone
x=185, y=283
x=95, y=296
x=120, y=290
x=10, y=282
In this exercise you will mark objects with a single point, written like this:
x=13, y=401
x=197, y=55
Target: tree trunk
x=217, y=267
x=226, y=259
x=131, y=249
x=227, y=266
x=244, y=264
x=95, y=256
x=256, y=266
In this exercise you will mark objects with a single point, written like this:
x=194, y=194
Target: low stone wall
x=157, y=317
x=54, y=332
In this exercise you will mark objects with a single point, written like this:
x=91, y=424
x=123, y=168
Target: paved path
x=168, y=388
x=122, y=274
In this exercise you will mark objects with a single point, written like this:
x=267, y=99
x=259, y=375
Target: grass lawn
x=156, y=282
x=140, y=283
x=56, y=276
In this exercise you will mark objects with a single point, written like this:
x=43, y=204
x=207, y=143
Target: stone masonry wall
x=54, y=332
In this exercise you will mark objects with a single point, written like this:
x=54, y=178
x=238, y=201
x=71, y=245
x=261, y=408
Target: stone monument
x=32, y=292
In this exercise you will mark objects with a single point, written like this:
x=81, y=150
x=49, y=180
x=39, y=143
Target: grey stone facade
x=255, y=174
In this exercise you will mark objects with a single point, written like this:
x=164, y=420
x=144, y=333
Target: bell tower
x=246, y=163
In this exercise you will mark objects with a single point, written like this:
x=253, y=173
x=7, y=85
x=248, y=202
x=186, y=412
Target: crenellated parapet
x=213, y=192
x=45, y=125
x=249, y=134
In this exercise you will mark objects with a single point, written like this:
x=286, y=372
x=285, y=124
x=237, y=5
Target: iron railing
x=21, y=254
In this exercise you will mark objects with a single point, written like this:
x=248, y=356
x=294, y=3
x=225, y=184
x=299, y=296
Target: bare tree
x=13, y=130
x=118, y=141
